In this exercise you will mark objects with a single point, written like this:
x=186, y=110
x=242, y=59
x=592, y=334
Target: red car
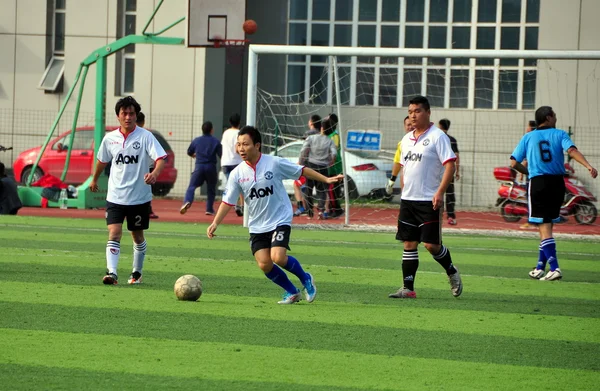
x=82, y=158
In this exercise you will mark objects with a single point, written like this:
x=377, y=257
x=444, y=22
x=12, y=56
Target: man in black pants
x=10, y=203
x=444, y=125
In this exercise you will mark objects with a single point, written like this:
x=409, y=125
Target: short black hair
x=252, y=132
x=316, y=121
x=542, y=113
x=334, y=120
x=420, y=100
x=445, y=124
x=328, y=126
x=532, y=124
x=235, y=120
x=405, y=118
x=128, y=101
x=141, y=118
x=207, y=127
x=2, y=174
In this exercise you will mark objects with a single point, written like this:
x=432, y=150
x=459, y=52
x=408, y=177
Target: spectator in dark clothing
x=10, y=203
x=444, y=125
x=205, y=150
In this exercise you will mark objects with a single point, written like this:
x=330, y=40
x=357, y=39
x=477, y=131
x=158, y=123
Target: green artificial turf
x=62, y=329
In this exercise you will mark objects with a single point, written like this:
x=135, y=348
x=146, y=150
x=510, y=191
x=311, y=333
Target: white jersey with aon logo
x=268, y=204
x=131, y=156
x=423, y=162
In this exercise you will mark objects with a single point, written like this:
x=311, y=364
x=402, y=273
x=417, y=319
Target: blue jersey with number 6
x=544, y=149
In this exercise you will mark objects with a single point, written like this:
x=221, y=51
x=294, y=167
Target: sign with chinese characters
x=363, y=140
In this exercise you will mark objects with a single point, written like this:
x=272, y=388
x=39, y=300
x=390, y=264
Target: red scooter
x=513, y=200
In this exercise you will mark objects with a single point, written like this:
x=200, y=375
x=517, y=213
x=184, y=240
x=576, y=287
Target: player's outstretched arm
x=221, y=213
x=578, y=156
x=312, y=174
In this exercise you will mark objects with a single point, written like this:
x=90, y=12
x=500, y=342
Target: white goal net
x=489, y=101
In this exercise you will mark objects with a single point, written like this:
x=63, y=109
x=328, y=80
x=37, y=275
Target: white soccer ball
x=188, y=288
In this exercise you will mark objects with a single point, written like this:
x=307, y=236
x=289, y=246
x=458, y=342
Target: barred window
x=439, y=24
x=125, y=59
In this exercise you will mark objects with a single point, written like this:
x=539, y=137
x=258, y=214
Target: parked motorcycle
x=513, y=200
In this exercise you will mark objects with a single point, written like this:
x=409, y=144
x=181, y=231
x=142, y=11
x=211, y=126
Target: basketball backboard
x=214, y=20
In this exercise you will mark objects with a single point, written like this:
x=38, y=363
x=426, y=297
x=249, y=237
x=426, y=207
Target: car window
x=290, y=151
x=83, y=139
x=161, y=140
x=62, y=142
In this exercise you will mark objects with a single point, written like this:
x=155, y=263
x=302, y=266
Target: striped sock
x=139, y=253
x=445, y=259
x=541, y=263
x=410, y=264
x=549, y=248
x=113, y=250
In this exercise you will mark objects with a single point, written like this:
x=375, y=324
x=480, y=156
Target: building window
x=440, y=24
x=125, y=59
x=55, y=47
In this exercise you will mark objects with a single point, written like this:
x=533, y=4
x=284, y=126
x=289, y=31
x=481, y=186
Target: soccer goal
x=489, y=96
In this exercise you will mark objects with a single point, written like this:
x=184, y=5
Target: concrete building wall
x=179, y=88
x=171, y=82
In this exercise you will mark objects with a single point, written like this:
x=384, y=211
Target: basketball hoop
x=234, y=49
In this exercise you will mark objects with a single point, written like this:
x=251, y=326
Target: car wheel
x=37, y=174
x=352, y=190
x=161, y=189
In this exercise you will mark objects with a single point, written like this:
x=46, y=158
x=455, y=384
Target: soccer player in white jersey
x=428, y=167
x=130, y=149
x=259, y=179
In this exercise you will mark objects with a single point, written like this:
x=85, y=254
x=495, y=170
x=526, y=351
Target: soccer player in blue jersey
x=259, y=179
x=544, y=148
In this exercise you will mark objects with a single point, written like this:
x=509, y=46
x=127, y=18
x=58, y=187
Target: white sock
x=113, y=250
x=139, y=253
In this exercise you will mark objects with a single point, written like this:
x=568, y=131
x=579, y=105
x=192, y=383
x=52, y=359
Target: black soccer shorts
x=138, y=216
x=279, y=237
x=418, y=222
x=546, y=196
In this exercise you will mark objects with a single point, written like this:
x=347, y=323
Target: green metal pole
x=54, y=125
x=74, y=125
x=100, y=120
x=168, y=27
x=151, y=17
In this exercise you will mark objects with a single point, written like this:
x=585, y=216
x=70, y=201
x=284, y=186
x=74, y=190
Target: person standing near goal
x=230, y=158
x=428, y=167
x=444, y=125
x=269, y=210
x=131, y=150
x=544, y=150
x=396, y=167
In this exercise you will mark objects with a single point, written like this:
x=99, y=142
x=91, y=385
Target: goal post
x=352, y=80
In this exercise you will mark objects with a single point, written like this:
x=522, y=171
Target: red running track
x=168, y=210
